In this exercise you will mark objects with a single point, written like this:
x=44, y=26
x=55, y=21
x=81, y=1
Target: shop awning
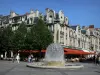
x=66, y=51
x=28, y=51
x=75, y=51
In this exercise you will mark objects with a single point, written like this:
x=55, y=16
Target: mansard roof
x=83, y=31
x=5, y=19
x=74, y=27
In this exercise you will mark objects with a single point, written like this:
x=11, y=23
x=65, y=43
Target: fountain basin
x=43, y=65
x=54, y=58
x=55, y=63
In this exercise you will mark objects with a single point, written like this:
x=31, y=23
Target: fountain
x=54, y=58
x=54, y=55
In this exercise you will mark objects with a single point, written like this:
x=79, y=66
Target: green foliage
x=38, y=37
x=19, y=37
x=42, y=36
x=6, y=38
x=28, y=41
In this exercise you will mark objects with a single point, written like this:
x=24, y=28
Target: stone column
x=77, y=36
x=64, y=35
x=68, y=39
x=98, y=43
x=80, y=43
x=55, y=33
x=59, y=30
x=86, y=43
x=75, y=42
x=94, y=44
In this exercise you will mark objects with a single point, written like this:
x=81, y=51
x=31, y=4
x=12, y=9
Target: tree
x=6, y=38
x=1, y=34
x=29, y=40
x=37, y=38
x=42, y=37
x=19, y=37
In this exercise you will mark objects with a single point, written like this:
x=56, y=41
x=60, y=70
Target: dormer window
x=66, y=19
x=57, y=16
x=50, y=16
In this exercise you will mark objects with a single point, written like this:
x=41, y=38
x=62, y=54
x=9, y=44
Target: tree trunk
x=5, y=54
x=11, y=53
x=38, y=55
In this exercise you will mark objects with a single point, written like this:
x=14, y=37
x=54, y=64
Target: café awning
x=66, y=51
x=75, y=51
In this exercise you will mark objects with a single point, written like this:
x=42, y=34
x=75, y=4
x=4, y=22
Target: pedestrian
x=97, y=60
x=18, y=58
x=13, y=58
x=1, y=56
x=93, y=59
x=29, y=58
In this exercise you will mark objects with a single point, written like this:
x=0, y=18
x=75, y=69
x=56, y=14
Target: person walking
x=18, y=58
x=1, y=56
x=94, y=59
x=97, y=60
x=13, y=59
x=29, y=58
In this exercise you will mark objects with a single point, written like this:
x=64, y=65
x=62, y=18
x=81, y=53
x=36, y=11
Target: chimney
x=47, y=9
x=83, y=27
x=31, y=11
x=12, y=14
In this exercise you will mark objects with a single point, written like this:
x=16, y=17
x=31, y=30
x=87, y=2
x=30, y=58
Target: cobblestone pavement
x=9, y=68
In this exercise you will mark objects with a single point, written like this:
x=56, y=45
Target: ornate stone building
x=73, y=36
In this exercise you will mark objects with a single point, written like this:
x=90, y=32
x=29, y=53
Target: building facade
x=72, y=36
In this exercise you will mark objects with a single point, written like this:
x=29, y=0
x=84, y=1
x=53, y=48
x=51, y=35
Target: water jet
x=54, y=58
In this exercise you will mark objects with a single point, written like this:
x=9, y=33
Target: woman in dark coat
x=97, y=60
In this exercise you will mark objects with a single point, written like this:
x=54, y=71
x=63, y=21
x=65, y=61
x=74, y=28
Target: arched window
x=28, y=21
x=50, y=16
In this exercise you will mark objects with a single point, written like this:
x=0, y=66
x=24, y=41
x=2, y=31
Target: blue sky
x=82, y=12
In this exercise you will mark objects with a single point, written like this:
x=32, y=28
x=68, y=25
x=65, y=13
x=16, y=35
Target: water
x=54, y=58
x=55, y=54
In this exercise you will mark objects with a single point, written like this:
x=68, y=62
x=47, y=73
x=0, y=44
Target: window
x=28, y=21
x=0, y=22
x=57, y=16
x=31, y=20
x=50, y=16
x=25, y=17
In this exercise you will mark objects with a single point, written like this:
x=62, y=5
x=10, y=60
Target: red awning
x=43, y=50
x=66, y=51
x=28, y=51
x=75, y=51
